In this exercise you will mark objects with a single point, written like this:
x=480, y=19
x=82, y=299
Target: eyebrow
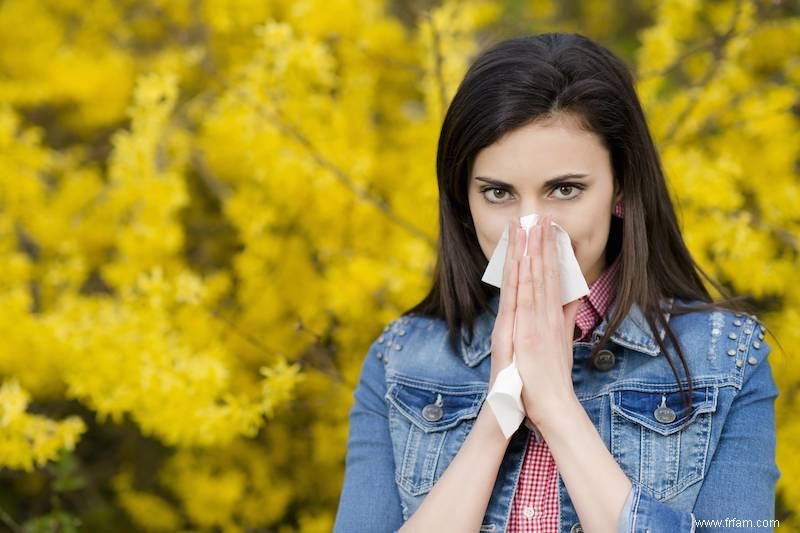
x=550, y=182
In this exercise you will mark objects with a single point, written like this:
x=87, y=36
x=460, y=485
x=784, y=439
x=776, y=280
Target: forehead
x=543, y=149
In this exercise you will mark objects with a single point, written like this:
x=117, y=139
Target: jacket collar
x=632, y=333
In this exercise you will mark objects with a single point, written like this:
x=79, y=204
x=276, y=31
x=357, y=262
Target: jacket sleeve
x=369, y=501
x=644, y=514
x=740, y=481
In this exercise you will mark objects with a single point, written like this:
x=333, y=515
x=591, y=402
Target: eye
x=493, y=195
x=497, y=194
x=569, y=187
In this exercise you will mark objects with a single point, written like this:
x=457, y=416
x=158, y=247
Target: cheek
x=578, y=233
x=487, y=247
x=488, y=228
x=584, y=241
x=589, y=244
x=487, y=237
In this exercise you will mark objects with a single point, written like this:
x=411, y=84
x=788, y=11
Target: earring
x=619, y=211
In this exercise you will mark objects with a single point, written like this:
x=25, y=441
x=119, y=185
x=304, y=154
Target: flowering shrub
x=209, y=209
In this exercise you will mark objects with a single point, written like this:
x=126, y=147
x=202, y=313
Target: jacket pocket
x=657, y=441
x=428, y=423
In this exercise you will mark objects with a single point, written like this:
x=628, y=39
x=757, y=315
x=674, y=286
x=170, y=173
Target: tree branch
x=718, y=41
x=8, y=521
x=285, y=127
x=336, y=375
x=438, y=61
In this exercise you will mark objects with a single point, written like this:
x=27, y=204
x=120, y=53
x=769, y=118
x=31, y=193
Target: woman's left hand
x=544, y=329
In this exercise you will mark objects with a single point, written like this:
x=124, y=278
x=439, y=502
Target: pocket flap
x=456, y=403
x=640, y=406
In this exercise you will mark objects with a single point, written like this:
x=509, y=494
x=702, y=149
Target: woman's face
x=522, y=173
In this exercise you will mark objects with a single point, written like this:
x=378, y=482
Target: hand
x=544, y=331
x=503, y=332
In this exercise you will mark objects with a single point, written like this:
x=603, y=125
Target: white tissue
x=505, y=398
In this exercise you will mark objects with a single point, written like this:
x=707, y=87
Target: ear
x=618, y=194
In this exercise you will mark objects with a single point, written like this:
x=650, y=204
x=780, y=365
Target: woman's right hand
x=502, y=348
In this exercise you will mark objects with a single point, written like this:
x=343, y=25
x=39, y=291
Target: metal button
x=433, y=411
x=748, y=331
x=731, y=352
x=576, y=528
x=732, y=335
x=761, y=336
x=380, y=339
x=401, y=332
x=604, y=360
x=398, y=346
x=752, y=360
x=739, y=363
x=529, y=511
x=379, y=355
x=715, y=331
x=664, y=414
x=756, y=345
x=738, y=314
x=737, y=322
x=742, y=347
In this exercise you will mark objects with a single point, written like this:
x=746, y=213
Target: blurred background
x=210, y=208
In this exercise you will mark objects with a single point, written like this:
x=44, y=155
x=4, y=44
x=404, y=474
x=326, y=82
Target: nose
x=527, y=208
x=529, y=205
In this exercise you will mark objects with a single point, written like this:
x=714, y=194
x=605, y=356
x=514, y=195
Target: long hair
x=526, y=79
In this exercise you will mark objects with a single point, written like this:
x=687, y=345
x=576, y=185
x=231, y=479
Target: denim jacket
x=417, y=399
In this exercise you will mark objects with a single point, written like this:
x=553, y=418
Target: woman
x=649, y=406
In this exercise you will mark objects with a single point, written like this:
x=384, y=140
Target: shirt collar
x=601, y=292
x=632, y=333
x=599, y=300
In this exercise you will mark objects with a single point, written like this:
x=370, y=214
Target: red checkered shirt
x=535, y=506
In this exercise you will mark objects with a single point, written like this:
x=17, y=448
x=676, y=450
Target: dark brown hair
x=532, y=78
